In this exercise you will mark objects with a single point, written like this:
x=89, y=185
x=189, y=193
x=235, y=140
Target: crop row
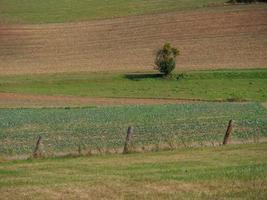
x=63, y=130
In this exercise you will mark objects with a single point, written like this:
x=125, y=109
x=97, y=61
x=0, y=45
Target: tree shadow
x=140, y=76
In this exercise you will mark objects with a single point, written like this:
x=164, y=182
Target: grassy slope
x=202, y=173
x=205, y=85
x=32, y=11
x=104, y=128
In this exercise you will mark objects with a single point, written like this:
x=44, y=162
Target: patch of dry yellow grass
x=161, y=175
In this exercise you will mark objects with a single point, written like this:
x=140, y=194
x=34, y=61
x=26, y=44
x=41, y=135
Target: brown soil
x=235, y=38
x=13, y=100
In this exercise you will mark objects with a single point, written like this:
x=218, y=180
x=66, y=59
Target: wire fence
x=104, y=128
x=111, y=138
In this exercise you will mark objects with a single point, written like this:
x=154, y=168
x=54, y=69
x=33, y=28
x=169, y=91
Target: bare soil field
x=13, y=100
x=233, y=38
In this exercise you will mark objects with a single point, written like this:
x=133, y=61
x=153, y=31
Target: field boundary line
x=22, y=100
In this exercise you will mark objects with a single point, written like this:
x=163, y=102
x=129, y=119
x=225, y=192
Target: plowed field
x=233, y=38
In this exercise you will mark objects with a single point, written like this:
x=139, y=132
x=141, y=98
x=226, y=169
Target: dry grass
x=114, y=191
x=184, y=174
x=13, y=100
x=121, y=190
x=231, y=38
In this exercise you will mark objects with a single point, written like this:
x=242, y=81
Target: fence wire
x=112, y=136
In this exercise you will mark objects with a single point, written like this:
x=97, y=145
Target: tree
x=166, y=59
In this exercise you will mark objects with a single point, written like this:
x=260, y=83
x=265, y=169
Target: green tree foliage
x=166, y=59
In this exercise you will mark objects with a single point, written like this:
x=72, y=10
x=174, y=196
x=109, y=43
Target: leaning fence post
x=37, y=152
x=79, y=150
x=127, y=140
x=228, y=133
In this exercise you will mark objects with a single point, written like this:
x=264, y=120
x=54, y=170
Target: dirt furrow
x=207, y=40
x=15, y=100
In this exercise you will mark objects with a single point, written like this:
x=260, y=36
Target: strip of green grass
x=104, y=128
x=201, y=173
x=205, y=85
x=48, y=11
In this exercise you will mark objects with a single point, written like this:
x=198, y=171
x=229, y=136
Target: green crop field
x=32, y=11
x=232, y=172
x=63, y=130
x=231, y=85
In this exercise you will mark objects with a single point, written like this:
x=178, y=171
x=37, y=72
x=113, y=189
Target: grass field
x=233, y=172
x=227, y=85
x=104, y=128
x=50, y=11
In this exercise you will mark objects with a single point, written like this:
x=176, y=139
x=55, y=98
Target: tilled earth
x=13, y=100
x=226, y=38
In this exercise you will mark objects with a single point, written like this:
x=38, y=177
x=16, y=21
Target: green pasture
x=226, y=85
x=51, y=11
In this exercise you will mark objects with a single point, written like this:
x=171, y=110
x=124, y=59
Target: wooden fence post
x=79, y=150
x=127, y=140
x=37, y=151
x=228, y=133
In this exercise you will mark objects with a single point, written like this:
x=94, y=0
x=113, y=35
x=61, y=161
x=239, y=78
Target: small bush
x=166, y=59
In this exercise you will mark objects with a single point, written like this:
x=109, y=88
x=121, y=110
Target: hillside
x=60, y=11
x=84, y=114
x=220, y=37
